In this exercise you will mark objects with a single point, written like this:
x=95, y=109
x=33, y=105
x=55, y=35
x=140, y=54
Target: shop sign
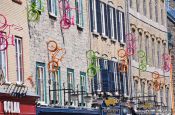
x=111, y=101
x=111, y=111
x=11, y=107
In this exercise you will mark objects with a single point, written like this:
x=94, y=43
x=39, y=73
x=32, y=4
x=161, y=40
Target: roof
x=171, y=14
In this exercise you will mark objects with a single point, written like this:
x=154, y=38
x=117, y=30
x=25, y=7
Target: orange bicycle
x=57, y=54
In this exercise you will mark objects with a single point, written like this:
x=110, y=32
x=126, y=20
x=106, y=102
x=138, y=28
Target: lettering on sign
x=111, y=102
x=11, y=107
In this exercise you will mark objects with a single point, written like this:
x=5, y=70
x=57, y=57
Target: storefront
x=66, y=111
x=20, y=106
x=17, y=100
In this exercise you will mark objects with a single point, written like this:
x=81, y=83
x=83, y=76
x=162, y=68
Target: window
x=146, y=48
x=158, y=54
x=125, y=82
x=94, y=15
x=140, y=41
x=83, y=86
x=144, y=7
x=39, y=4
x=167, y=97
x=103, y=18
x=153, y=52
x=98, y=77
x=121, y=25
x=143, y=90
x=79, y=13
x=136, y=87
x=19, y=59
x=41, y=81
x=131, y=3
x=116, y=77
x=3, y=61
x=52, y=7
x=149, y=91
x=161, y=95
x=150, y=9
x=156, y=10
x=112, y=22
x=70, y=83
x=162, y=18
x=138, y=5
x=56, y=84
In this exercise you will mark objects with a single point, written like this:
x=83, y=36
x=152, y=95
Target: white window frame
x=94, y=16
x=103, y=19
x=162, y=17
x=143, y=89
x=80, y=13
x=116, y=78
x=136, y=84
x=41, y=76
x=52, y=8
x=121, y=27
x=112, y=22
x=98, y=77
x=144, y=7
x=3, y=66
x=156, y=11
x=18, y=54
x=150, y=9
x=147, y=48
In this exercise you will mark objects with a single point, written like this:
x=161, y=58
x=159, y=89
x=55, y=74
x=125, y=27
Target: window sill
x=19, y=82
x=7, y=83
x=42, y=103
x=104, y=37
x=52, y=15
x=95, y=33
x=17, y=1
x=79, y=27
x=113, y=40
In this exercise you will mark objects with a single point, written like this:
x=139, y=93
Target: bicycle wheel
x=90, y=54
x=53, y=66
x=141, y=53
x=121, y=53
x=3, y=43
x=142, y=67
x=91, y=71
x=65, y=23
x=155, y=75
x=52, y=46
x=3, y=22
x=33, y=15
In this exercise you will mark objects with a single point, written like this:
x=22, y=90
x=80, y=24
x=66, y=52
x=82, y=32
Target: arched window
x=167, y=97
x=162, y=18
x=161, y=95
x=149, y=91
x=138, y=5
x=143, y=90
x=130, y=3
x=144, y=7
x=136, y=87
x=156, y=10
x=150, y=9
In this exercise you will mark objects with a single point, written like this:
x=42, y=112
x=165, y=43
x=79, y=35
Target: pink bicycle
x=66, y=20
x=4, y=25
x=4, y=37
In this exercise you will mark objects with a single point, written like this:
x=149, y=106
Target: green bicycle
x=34, y=11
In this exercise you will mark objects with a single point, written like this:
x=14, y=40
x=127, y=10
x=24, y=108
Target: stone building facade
x=147, y=20
x=73, y=67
